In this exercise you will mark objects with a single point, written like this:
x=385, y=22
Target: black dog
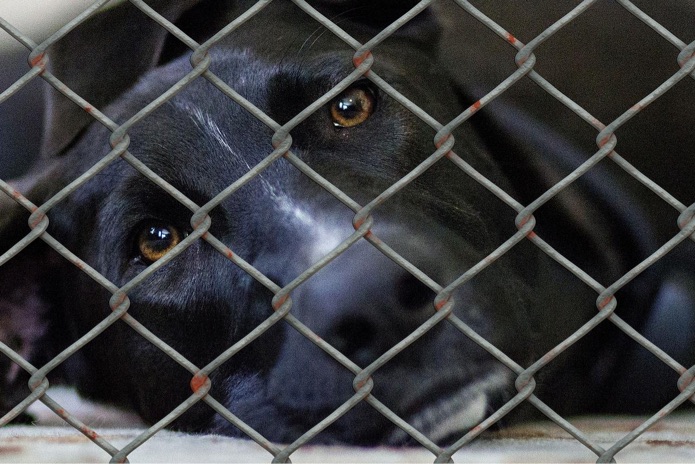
x=282, y=222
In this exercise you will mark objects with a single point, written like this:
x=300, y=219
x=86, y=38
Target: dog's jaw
x=453, y=415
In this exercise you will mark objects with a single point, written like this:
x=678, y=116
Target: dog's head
x=281, y=222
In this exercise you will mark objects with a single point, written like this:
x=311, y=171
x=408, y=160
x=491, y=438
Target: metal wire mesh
x=443, y=148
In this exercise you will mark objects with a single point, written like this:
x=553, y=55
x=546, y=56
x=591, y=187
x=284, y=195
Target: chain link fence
x=443, y=149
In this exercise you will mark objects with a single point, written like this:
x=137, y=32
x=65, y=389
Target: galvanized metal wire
x=443, y=151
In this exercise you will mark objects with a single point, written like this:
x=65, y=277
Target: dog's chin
x=446, y=417
x=443, y=413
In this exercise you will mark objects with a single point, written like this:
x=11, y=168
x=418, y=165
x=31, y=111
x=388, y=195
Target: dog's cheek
x=203, y=318
x=199, y=303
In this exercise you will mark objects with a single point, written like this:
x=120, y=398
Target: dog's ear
x=599, y=226
x=100, y=59
x=607, y=229
x=24, y=296
x=23, y=326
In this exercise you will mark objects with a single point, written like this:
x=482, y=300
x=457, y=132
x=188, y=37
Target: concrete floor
x=671, y=441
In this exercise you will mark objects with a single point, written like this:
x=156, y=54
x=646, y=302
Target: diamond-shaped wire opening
x=595, y=64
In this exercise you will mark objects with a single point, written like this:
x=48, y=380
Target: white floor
x=671, y=440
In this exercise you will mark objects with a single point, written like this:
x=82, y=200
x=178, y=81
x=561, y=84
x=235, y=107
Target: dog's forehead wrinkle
x=286, y=206
x=204, y=120
x=299, y=215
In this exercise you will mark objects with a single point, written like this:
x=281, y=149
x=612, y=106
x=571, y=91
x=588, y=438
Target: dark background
x=606, y=60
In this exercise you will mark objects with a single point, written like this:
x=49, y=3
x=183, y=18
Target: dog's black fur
x=282, y=222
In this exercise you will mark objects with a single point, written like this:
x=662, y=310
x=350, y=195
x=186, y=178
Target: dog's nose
x=364, y=303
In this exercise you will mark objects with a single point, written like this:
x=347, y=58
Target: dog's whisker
x=307, y=40
x=317, y=39
x=336, y=19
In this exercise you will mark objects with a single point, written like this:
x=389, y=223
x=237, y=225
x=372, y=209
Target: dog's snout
x=363, y=304
x=366, y=304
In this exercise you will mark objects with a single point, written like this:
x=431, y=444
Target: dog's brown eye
x=156, y=240
x=353, y=107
